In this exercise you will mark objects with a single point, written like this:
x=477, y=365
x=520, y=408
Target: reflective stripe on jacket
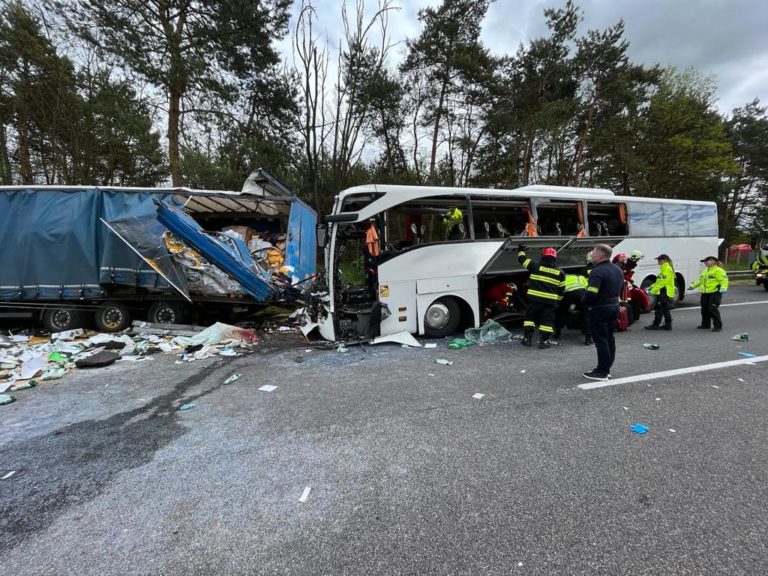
x=712, y=280
x=664, y=281
x=546, y=283
x=575, y=282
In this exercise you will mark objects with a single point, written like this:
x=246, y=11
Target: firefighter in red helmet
x=545, y=289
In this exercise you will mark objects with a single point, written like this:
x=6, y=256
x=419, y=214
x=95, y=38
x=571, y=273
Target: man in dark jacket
x=602, y=300
x=545, y=289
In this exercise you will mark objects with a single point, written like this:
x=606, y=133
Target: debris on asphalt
x=7, y=476
x=743, y=337
x=268, y=388
x=98, y=360
x=188, y=406
x=714, y=386
x=232, y=378
x=639, y=429
x=491, y=332
x=747, y=354
x=459, y=343
x=478, y=395
x=6, y=399
x=22, y=385
x=672, y=430
x=299, y=359
x=651, y=346
x=430, y=345
x=443, y=362
x=342, y=348
x=305, y=494
x=402, y=337
x=741, y=379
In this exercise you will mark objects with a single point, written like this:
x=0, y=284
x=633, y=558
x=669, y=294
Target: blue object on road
x=639, y=429
x=188, y=406
x=747, y=354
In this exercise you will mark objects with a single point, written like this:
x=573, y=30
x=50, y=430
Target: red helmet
x=620, y=258
x=549, y=252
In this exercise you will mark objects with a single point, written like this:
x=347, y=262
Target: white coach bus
x=441, y=249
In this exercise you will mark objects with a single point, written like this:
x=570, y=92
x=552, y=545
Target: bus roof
x=395, y=195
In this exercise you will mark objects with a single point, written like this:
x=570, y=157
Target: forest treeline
x=197, y=93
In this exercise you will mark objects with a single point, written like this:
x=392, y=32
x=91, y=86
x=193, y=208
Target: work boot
x=702, y=327
x=666, y=326
x=526, y=341
x=652, y=327
x=545, y=344
x=588, y=340
x=716, y=329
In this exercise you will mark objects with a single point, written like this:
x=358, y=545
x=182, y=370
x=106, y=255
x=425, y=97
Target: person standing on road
x=664, y=290
x=712, y=283
x=606, y=281
x=545, y=290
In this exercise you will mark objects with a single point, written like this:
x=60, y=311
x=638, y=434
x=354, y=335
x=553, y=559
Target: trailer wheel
x=163, y=312
x=441, y=318
x=112, y=317
x=60, y=319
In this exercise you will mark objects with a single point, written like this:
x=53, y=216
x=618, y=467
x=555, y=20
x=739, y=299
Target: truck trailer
x=72, y=255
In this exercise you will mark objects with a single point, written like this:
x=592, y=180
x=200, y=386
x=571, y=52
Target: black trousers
x=602, y=323
x=540, y=315
x=661, y=309
x=710, y=309
x=575, y=298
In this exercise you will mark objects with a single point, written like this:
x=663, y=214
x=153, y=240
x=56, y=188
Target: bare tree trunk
x=435, y=132
x=5, y=161
x=585, y=135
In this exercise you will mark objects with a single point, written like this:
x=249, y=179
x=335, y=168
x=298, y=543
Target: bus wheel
x=441, y=318
x=112, y=317
x=60, y=319
x=163, y=312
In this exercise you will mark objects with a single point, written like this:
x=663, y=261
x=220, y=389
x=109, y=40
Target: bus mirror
x=322, y=234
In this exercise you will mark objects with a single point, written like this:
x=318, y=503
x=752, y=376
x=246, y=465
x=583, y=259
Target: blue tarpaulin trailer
x=58, y=254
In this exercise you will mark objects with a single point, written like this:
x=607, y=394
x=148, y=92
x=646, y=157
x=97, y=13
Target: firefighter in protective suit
x=545, y=290
x=575, y=289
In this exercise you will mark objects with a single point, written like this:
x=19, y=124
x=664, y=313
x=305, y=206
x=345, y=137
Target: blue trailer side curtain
x=301, y=243
x=48, y=245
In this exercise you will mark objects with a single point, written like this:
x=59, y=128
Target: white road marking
x=723, y=305
x=305, y=494
x=670, y=373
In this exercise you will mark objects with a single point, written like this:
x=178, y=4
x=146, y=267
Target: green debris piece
x=188, y=406
x=459, y=343
x=58, y=357
x=53, y=374
x=5, y=399
x=743, y=337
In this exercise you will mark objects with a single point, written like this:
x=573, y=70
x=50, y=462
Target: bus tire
x=112, y=317
x=165, y=312
x=442, y=318
x=60, y=319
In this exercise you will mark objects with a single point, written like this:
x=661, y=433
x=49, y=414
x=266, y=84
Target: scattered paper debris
x=478, y=395
x=430, y=374
x=743, y=337
x=268, y=388
x=713, y=386
x=625, y=408
x=741, y=379
x=6, y=399
x=305, y=494
x=522, y=371
x=658, y=399
x=651, y=346
x=672, y=430
x=188, y=406
x=430, y=345
x=639, y=429
x=11, y=473
x=443, y=362
x=232, y=378
x=67, y=334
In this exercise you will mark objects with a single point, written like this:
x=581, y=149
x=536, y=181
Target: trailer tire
x=165, y=312
x=60, y=319
x=112, y=317
x=441, y=318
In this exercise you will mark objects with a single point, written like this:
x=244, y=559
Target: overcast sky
x=727, y=39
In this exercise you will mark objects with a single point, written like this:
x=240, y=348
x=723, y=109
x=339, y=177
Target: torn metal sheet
x=403, y=337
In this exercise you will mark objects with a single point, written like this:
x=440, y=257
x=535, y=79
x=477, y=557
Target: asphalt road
x=408, y=473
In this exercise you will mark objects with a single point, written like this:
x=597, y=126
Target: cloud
x=725, y=39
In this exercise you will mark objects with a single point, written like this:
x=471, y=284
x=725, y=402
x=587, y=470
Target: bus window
x=675, y=220
x=433, y=219
x=646, y=219
x=702, y=220
x=559, y=218
x=495, y=217
x=607, y=219
x=356, y=202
